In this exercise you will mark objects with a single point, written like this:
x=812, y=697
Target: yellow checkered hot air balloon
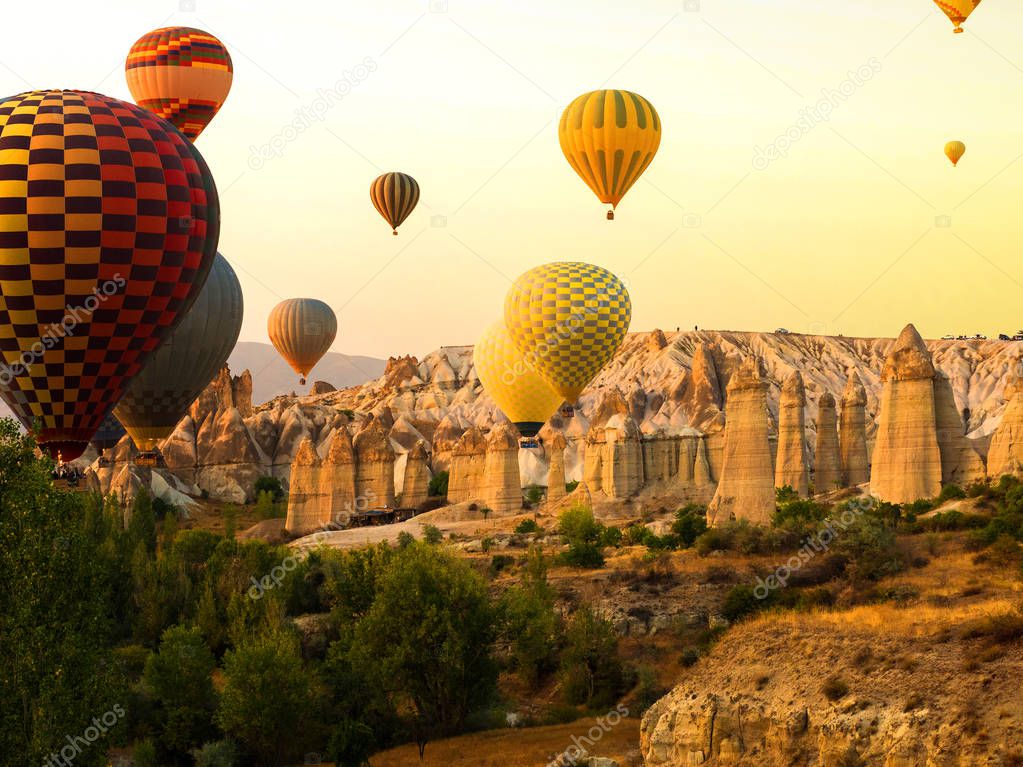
x=957, y=10
x=954, y=151
x=526, y=398
x=609, y=138
x=568, y=319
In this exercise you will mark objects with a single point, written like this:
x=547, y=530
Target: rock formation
x=593, y=460
x=961, y=464
x=702, y=476
x=1005, y=455
x=374, y=466
x=852, y=440
x=337, y=479
x=790, y=468
x=416, y=488
x=556, y=468
x=622, y=463
x=701, y=397
x=827, y=475
x=502, y=490
x=746, y=485
x=305, y=498
x=465, y=478
x=906, y=465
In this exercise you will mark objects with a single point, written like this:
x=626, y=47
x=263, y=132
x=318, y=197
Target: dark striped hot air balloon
x=109, y=223
x=108, y=434
x=609, y=138
x=160, y=395
x=180, y=73
x=302, y=330
x=395, y=196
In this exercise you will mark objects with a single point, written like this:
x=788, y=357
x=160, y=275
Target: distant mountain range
x=272, y=376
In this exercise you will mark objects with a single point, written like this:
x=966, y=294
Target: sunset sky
x=860, y=227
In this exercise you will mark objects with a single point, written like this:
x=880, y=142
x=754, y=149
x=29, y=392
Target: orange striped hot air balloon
x=302, y=330
x=954, y=151
x=395, y=196
x=957, y=11
x=180, y=73
x=609, y=138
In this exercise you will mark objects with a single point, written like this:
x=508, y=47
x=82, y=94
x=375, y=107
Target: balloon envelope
x=609, y=138
x=957, y=11
x=521, y=393
x=109, y=223
x=108, y=434
x=568, y=319
x=954, y=151
x=180, y=73
x=160, y=395
x=395, y=196
x=302, y=330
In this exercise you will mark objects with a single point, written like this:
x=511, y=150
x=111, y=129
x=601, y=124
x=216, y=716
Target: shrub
x=532, y=624
x=432, y=535
x=834, y=688
x=486, y=545
x=534, y=494
x=740, y=602
x=591, y=671
x=999, y=628
x=438, y=484
x=570, y=486
x=180, y=678
x=268, y=484
x=690, y=523
x=405, y=539
x=585, y=538
x=869, y=548
x=499, y=563
x=220, y=753
x=951, y=492
x=527, y=526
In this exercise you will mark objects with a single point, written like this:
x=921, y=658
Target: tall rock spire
x=853, y=433
x=791, y=462
x=827, y=474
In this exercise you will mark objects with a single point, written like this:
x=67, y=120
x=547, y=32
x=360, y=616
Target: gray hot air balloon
x=160, y=395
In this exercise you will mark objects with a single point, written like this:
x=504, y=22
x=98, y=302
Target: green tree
x=591, y=671
x=179, y=677
x=56, y=668
x=269, y=700
x=438, y=484
x=428, y=638
x=272, y=485
x=585, y=537
x=532, y=624
x=689, y=524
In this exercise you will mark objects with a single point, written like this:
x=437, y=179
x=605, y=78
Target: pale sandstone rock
x=374, y=465
x=556, y=467
x=306, y=507
x=746, y=486
x=790, y=467
x=852, y=440
x=702, y=476
x=468, y=457
x=337, y=479
x=622, y=462
x=416, y=488
x=961, y=464
x=322, y=387
x=827, y=475
x=906, y=464
x=502, y=489
x=1005, y=455
x=449, y=430
x=702, y=398
x=593, y=460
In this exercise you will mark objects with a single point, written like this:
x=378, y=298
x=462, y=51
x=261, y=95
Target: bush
x=585, y=538
x=834, y=688
x=690, y=523
x=220, y=753
x=570, y=486
x=438, y=484
x=534, y=494
x=951, y=492
x=268, y=484
x=432, y=535
x=532, y=625
x=869, y=548
x=591, y=671
x=180, y=679
x=740, y=602
x=527, y=526
x=405, y=539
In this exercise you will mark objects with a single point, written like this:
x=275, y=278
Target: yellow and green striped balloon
x=609, y=138
x=568, y=319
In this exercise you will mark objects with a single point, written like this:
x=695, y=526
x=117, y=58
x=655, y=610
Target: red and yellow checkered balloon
x=181, y=74
x=109, y=222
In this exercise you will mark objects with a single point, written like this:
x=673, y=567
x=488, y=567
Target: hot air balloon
x=108, y=434
x=526, y=398
x=302, y=330
x=567, y=320
x=109, y=223
x=609, y=138
x=957, y=11
x=395, y=196
x=180, y=73
x=954, y=151
x=160, y=395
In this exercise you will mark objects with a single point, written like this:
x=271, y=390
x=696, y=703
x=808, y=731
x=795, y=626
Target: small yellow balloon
x=609, y=138
x=954, y=151
x=568, y=319
x=526, y=398
x=957, y=11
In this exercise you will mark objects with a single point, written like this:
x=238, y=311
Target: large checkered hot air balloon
x=109, y=223
x=394, y=195
x=609, y=138
x=302, y=330
x=958, y=11
x=568, y=319
x=160, y=395
x=521, y=393
x=180, y=73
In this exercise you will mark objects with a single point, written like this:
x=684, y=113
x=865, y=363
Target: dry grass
x=514, y=747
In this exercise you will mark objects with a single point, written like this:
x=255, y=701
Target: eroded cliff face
x=667, y=387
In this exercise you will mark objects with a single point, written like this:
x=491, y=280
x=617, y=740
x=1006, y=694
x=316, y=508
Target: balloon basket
x=610, y=215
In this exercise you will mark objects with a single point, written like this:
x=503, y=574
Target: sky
x=800, y=181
